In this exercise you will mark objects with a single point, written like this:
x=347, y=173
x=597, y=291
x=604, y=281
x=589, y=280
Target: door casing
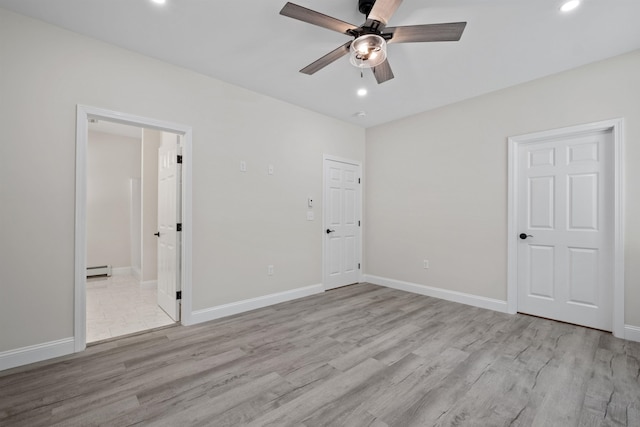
x=83, y=114
x=616, y=127
x=324, y=222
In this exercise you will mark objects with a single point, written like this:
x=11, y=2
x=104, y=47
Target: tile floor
x=117, y=305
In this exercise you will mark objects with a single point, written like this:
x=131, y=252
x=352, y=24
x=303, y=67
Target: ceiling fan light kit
x=368, y=49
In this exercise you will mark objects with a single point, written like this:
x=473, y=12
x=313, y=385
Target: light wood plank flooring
x=357, y=356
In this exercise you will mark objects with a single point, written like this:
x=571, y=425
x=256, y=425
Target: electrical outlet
x=243, y=166
x=425, y=263
x=310, y=216
x=269, y=270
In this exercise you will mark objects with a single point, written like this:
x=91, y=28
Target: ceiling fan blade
x=383, y=72
x=327, y=59
x=316, y=18
x=382, y=10
x=450, y=32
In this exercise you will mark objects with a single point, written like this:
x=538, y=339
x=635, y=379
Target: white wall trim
x=326, y=157
x=36, y=353
x=632, y=333
x=224, y=310
x=83, y=113
x=616, y=126
x=80, y=290
x=445, y=294
x=136, y=273
x=618, y=248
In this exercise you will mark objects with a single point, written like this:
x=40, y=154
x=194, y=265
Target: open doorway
x=132, y=200
x=122, y=287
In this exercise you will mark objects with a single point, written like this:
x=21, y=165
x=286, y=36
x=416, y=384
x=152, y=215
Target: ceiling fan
x=368, y=49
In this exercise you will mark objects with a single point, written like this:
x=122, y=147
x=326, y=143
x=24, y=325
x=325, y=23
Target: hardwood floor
x=356, y=356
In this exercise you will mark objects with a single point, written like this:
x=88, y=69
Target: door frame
x=326, y=157
x=616, y=127
x=83, y=114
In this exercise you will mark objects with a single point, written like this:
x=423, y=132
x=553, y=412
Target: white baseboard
x=224, y=310
x=430, y=291
x=632, y=333
x=36, y=353
x=121, y=271
x=149, y=284
x=136, y=273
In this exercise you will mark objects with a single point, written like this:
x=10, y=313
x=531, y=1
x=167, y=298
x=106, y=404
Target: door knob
x=330, y=231
x=157, y=234
x=524, y=236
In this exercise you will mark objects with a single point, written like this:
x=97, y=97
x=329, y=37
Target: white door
x=565, y=227
x=169, y=185
x=341, y=223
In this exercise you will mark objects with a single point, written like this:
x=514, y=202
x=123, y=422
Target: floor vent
x=101, y=270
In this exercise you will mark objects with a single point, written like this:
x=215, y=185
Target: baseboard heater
x=101, y=270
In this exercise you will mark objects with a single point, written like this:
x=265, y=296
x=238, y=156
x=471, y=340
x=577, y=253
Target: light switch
x=270, y=169
x=310, y=216
x=243, y=166
x=310, y=202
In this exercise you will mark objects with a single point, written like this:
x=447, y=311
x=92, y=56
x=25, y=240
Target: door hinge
x=179, y=158
x=358, y=266
x=358, y=180
x=179, y=227
x=178, y=294
x=358, y=223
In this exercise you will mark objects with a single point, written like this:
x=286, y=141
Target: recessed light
x=362, y=92
x=570, y=5
x=159, y=1
x=360, y=114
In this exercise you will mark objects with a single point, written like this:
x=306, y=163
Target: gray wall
x=241, y=221
x=436, y=184
x=151, y=140
x=112, y=160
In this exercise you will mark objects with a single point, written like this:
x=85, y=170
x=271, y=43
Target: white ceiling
x=247, y=43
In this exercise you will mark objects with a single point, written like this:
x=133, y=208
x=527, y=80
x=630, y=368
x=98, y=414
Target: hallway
x=118, y=305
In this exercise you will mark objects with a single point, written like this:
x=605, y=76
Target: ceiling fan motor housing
x=365, y=6
x=369, y=44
